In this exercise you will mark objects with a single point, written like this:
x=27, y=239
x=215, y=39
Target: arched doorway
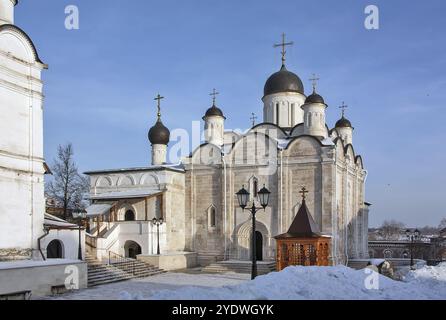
x=259, y=246
x=54, y=250
x=243, y=250
x=132, y=249
x=129, y=215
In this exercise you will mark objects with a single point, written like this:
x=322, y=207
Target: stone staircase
x=263, y=267
x=102, y=273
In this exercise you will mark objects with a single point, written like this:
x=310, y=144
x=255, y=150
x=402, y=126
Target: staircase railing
x=126, y=264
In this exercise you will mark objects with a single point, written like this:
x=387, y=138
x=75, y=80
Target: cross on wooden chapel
x=283, y=45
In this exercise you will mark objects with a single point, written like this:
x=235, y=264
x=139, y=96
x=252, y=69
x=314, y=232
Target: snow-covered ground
x=146, y=287
x=292, y=283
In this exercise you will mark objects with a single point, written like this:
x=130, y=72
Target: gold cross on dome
x=343, y=107
x=214, y=95
x=283, y=45
x=303, y=192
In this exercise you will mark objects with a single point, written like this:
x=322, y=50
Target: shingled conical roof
x=303, y=225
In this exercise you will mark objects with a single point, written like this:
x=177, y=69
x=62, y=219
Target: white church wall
x=69, y=240
x=283, y=109
x=7, y=11
x=21, y=155
x=40, y=277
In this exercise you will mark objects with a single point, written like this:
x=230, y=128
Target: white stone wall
x=346, y=134
x=159, y=154
x=325, y=170
x=7, y=11
x=169, y=183
x=314, y=119
x=283, y=109
x=22, y=202
x=214, y=130
x=40, y=277
x=69, y=240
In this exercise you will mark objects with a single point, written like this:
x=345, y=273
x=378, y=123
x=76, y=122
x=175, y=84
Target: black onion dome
x=159, y=134
x=214, y=111
x=283, y=81
x=315, y=98
x=343, y=123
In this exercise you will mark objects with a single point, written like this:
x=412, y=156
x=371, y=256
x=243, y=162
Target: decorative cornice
x=14, y=28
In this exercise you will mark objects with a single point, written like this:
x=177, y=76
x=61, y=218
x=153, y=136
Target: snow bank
x=315, y=283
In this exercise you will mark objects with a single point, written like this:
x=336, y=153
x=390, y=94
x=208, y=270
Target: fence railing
x=126, y=264
x=91, y=241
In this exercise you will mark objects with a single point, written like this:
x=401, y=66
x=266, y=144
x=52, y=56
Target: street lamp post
x=157, y=222
x=412, y=235
x=243, y=197
x=81, y=216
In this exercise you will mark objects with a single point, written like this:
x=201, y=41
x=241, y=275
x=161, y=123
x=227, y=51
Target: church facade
x=292, y=148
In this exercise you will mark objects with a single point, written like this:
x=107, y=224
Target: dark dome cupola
x=344, y=127
x=214, y=123
x=283, y=95
x=159, y=134
x=283, y=81
x=159, y=137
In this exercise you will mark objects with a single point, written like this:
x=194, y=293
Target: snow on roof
x=98, y=209
x=327, y=142
x=171, y=166
x=136, y=193
x=54, y=221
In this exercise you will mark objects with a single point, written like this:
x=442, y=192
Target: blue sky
x=102, y=79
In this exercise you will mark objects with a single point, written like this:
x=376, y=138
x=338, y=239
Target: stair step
x=239, y=267
x=101, y=273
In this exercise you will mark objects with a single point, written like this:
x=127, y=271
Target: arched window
x=129, y=215
x=54, y=250
x=212, y=217
x=292, y=114
x=387, y=254
x=255, y=187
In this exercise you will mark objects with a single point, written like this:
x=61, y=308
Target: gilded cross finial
x=283, y=45
x=314, y=81
x=214, y=95
x=343, y=107
x=303, y=192
x=253, y=119
x=158, y=98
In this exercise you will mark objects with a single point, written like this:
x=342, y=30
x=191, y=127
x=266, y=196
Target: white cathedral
x=196, y=198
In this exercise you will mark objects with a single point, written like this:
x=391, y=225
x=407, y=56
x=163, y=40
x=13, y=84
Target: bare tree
x=67, y=186
x=442, y=224
x=391, y=229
